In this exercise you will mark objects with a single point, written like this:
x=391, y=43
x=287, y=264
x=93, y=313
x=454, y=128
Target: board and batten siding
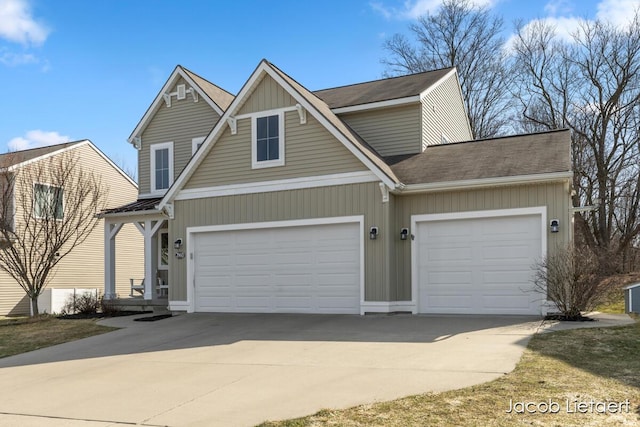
x=310, y=150
x=180, y=123
x=390, y=131
x=266, y=94
x=84, y=266
x=444, y=113
x=335, y=201
x=553, y=195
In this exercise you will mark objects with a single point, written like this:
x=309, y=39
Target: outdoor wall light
x=373, y=233
x=177, y=244
x=404, y=232
x=554, y=224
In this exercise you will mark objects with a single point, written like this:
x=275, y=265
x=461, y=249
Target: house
x=356, y=199
x=83, y=268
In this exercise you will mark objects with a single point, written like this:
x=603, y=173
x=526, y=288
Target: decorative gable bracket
x=168, y=210
x=137, y=143
x=385, y=192
x=302, y=113
x=180, y=93
x=233, y=125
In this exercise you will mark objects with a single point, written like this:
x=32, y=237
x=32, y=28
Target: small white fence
x=52, y=300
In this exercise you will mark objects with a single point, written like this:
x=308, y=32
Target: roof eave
x=469, y=184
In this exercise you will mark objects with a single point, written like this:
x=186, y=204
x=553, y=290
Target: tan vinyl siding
x=344, y=200
x=390, y=131
x=555, y=196
x=84, y=266
x=443, y=113
x=310, y=150
x=267, y=95
x=179, y=124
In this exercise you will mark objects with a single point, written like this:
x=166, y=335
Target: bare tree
x=591, y=85
x=571, y=279
x=467, y=37
x=48, y=209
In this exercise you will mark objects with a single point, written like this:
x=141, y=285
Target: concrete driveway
x=237, y=370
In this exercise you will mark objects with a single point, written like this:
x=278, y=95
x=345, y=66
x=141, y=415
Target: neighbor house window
x=161, y=166
x=195, y=144
x=48, y=201
x=268, y=140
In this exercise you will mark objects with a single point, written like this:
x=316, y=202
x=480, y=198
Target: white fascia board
x=81, y=143
x=133, y=216
x=378, y=104
x=278, y=185
x=632, y=286
x=442, y=79
x=217, y=131
x=485, y=182
x=333, y=130
x=177, y=72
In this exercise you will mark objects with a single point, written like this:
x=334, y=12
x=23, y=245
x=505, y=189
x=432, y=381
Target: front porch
x=152, y=290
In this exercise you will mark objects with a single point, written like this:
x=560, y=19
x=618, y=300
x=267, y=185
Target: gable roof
x=16, y=159
x=381, y=90
x=489, y=158
x=218, y=98
x=312, y=104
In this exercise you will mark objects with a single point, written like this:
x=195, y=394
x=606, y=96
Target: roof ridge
x=383, y=79
x=499, y=137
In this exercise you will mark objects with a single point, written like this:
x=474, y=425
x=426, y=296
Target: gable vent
x=182, y=92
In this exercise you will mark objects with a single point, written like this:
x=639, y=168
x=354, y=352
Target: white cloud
x=617, y=12
x=413, y=9
x=564, y=29
x=35, y=139
x=14, y=59
x=18, y=25
x=556, y=7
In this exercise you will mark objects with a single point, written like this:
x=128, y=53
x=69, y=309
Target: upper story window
x=268, y=140
x=161, y=166
x=48, y=201
x=196, y=143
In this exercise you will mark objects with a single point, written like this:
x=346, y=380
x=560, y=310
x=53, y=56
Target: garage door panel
x=488, y=271
x=285, y=269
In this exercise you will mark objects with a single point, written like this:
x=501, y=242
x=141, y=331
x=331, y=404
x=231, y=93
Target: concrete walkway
x=239, y=370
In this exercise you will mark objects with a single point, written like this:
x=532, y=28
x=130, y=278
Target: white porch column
x=110, y=232
x=148, y=228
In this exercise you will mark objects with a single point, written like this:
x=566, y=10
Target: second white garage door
x=478, y=265
x=301, y=269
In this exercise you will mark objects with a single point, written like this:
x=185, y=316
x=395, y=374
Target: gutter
x=484, y=182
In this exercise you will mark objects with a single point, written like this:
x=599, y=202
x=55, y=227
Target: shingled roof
x=137, y=206
x=219, y=96
x=529, y=154
x=16, y=157
x=380, y=90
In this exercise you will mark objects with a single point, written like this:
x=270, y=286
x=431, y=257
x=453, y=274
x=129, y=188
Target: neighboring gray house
x=362, y=198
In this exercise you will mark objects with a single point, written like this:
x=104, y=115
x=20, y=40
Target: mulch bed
x=564, y=318
x=102, y=315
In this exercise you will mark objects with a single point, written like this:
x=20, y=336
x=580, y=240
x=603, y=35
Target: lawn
x=26, y=334
x=600, y=364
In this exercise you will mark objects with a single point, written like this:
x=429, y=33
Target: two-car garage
x=466, y=263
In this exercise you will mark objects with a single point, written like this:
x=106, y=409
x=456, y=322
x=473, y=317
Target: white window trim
x=33, y=209
x=255, y=164
x=195, y=142
x=152, y=149
x=160, y=232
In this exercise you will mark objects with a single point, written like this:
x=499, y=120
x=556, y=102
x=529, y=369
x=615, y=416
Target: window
x=268, y=141
x=161, y=166
x=163, y=250
x=195, y=144
x=48, y=201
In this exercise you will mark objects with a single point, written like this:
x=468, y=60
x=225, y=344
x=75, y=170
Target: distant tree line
x=539, y=81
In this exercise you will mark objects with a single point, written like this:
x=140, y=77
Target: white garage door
x=478, y=265
x=302, y=269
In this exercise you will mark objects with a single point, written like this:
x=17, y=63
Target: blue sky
x=76, y=69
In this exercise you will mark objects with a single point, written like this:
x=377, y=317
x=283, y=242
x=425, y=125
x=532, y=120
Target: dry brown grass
x=600, y=364
x=26, y=334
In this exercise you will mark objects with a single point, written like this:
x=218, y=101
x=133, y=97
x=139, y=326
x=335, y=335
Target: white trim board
x=277, y=185
x=192, y=231
x=493, y=213
x=378, y=104
x=264, y=68
x=387, y=307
